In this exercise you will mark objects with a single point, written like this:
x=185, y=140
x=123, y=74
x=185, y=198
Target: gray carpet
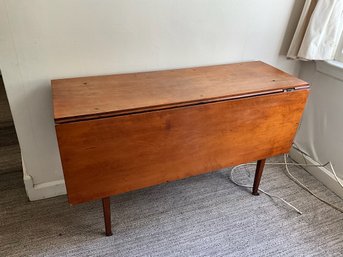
x=10, y=159
x=201, y=216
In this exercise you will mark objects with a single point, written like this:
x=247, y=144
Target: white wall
x=321, y=130
x=42, y=40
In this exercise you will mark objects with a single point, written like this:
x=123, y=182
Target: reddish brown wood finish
x=258, y=176
x=106, y=205
x=119, y=133
x=114, y=155
x=103, y=96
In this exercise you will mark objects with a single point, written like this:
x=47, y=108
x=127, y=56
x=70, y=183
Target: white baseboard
x=43, y=190
x=321, y=173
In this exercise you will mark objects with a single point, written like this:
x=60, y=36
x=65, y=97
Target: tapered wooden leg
x=107, y=215
x=258, y=175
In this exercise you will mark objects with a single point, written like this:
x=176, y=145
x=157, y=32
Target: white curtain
x=319, y=30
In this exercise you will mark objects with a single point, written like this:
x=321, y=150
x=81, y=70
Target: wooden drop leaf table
x=125, y=132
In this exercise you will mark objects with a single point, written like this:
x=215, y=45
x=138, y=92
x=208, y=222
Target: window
x=339, y=52
x=333, y=68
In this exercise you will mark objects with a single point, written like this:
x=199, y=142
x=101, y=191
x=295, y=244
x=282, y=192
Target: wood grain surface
x=102, y=96
x=114, y=155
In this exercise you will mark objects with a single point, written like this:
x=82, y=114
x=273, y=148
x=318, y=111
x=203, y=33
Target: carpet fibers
x=205, y=215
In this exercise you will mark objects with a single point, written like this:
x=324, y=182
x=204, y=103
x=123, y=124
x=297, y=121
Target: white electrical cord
x=260, y=189
x=334, y=173
x=328, y=163
x=291, y=177
x=306, y=188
